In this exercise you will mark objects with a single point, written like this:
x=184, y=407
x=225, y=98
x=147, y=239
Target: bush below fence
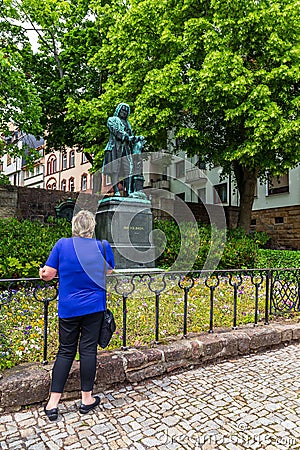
x=149, y=308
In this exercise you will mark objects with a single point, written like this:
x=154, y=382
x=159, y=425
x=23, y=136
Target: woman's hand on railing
x=47, y=273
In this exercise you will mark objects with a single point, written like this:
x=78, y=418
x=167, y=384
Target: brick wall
x=205, y=214
x=281, y=224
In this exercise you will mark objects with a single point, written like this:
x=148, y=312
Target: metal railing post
x=268, y=276
x=185, y=309
x=124, y=337
x=157, y=295
x=46, y=317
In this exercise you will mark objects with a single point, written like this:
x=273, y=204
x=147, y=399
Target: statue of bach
x=122, y=157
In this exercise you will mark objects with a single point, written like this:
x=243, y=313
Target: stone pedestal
x=126, y=223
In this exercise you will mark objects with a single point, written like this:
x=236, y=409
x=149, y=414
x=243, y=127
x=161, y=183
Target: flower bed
x=22, y=323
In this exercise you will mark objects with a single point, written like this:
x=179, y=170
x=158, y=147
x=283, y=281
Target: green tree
x=68, y=37
x=249, y=83
x=223, y=77
x=20, y=102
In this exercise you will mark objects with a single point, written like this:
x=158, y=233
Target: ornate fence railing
x=268, y=292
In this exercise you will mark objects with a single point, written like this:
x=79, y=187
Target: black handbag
x=108, y=326
x=107, y=329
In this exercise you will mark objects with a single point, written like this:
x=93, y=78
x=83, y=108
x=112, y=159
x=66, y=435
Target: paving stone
x=150, y=442
x=251, y=402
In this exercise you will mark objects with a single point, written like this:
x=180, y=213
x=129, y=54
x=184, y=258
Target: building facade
x=276, y=208
x=15, y=167
x=68, y=171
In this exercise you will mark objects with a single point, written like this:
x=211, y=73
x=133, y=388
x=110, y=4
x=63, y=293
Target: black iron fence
x=266, y=292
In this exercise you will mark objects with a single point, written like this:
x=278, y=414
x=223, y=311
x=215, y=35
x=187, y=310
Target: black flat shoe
x=84, y=409
x=52, y=414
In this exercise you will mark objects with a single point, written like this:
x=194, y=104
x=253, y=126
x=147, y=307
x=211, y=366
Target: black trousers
x=84, y=329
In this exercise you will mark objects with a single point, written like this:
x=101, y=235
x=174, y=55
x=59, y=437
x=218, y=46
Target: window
x=220, y=193
x=180, y=168
x=51, y=165
x=91, y=181
x=201, y=195
x=107, y=180
x=8, y=161
x=63, y=185
x=71, y=184
x=279, y=220
x=72, y=158
x=165, y=174
x=83, y=158
x=84, y=182
x=64, y=161
x=278, y=185
x=51, y=184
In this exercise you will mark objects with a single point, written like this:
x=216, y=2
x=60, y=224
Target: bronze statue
x=122, y=157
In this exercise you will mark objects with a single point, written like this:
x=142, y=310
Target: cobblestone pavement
x=249, y=403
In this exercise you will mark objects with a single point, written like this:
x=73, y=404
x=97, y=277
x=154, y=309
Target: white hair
x=83, y=224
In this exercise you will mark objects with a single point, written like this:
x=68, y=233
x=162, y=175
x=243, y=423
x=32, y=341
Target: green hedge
x=234, y=251
x=25, y=245
x=278, y=259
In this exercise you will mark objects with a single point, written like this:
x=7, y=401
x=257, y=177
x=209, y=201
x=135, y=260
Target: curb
x=28, y=384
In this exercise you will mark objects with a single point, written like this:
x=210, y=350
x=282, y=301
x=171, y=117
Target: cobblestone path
x=249, y=403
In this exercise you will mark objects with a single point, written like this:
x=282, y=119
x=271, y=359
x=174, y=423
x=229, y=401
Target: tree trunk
x=246, y=179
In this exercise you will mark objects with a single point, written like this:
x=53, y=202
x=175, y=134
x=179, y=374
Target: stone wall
x=40, y=203
x=29, y=383
x=281, y=224
x=204, y=213
x=8, y=201
x=36, y=203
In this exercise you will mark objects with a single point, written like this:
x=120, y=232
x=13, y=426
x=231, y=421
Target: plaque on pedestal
x=126, y=223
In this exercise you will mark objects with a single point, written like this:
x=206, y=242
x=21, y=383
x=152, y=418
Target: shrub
x=26, y=244
x=278, y=259
x=237, y=250
x=241, y=250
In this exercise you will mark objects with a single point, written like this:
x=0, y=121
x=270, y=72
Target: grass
x=22, y=323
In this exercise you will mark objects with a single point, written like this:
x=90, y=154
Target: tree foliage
x=223, y=77
x=216, y=79
x=20, y=102
x=58, y=68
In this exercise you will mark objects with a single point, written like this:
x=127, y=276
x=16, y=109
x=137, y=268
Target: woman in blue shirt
x=79, y=263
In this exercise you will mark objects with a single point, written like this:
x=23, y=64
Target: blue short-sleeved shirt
x=80, y=265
